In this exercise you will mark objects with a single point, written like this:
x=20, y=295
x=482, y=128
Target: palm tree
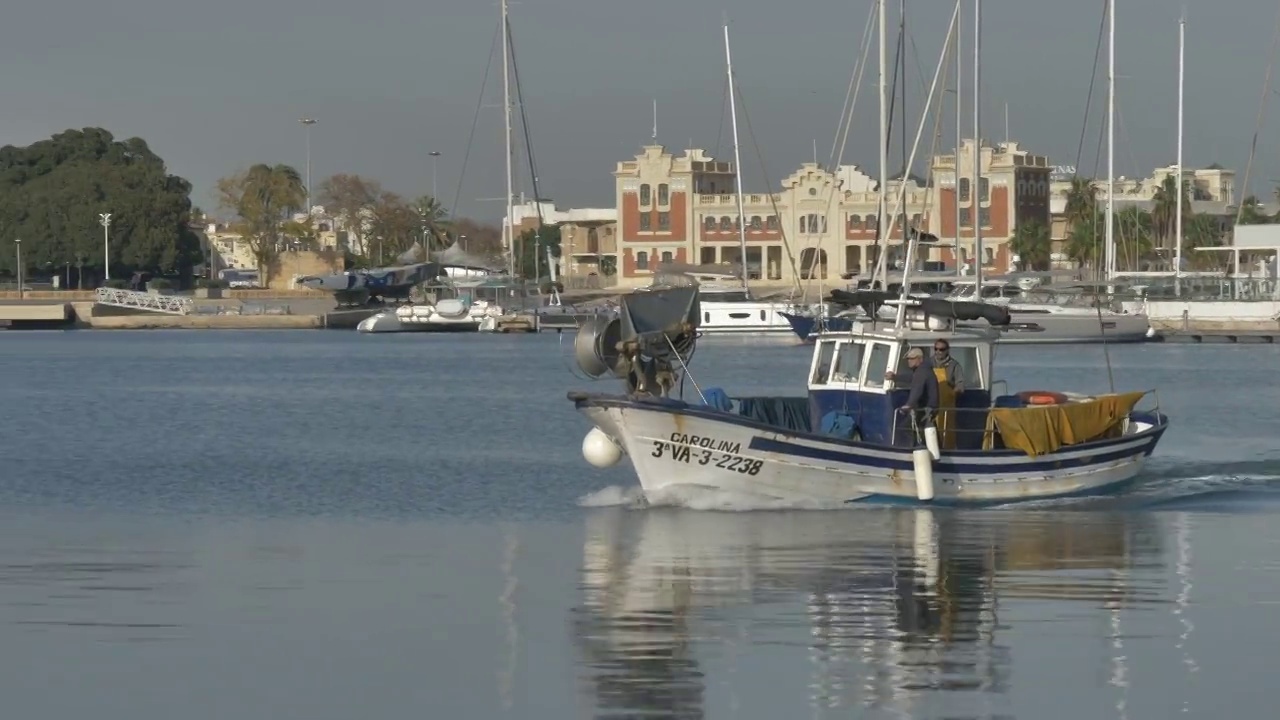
x=1165, y=209
x=434, y=218
x=1082, y=202
x=1033, y=245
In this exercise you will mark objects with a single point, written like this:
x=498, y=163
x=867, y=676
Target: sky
x=216, y=87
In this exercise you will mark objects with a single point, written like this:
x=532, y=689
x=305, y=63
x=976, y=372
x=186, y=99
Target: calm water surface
x=329, y=525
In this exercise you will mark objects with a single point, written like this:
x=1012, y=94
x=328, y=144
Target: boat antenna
x=913, y=238
x=737, y=159
x=975, y=192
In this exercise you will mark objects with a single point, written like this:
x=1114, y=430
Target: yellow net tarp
x=1039, y=430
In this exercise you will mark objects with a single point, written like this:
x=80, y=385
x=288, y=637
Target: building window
x=707, y=255
x=664, y=220
x=915, y=221
x=644, y=195
x=984, y=190
x=813, y=223
x=642, y=260
x=771, y=222
x=855, y=222
x=664, y=195
x=756, y=224
x=726, y=225
x=984, y=216
x=964, y=189
x=666, y=257
x=870, y=223
x=644, y=221
x=966, y=217
x=710, y=224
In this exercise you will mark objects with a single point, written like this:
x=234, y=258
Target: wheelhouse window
x=822, y=363
x=848, y=363
x=877, y=364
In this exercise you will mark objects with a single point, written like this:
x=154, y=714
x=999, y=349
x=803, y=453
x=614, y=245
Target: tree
x=531, y=251
x=1251, y=212
x=433, y=218
x=480, y=240
x=1082, y=202
x=1164, y=211
x=1033, y=245
x=346, y=198
x=263, y=198
x=394, y=227
x=51, y=194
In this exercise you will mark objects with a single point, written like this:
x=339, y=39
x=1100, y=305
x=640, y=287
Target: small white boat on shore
x=447, y=315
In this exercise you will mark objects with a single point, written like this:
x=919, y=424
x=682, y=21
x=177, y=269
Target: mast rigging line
x=475, y=120
x=528, y=148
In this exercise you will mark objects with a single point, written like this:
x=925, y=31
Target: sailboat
x=848, y=439
x=727, y=307
x=473, y=303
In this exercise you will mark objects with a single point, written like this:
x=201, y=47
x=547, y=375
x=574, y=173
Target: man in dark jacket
x=922, y=401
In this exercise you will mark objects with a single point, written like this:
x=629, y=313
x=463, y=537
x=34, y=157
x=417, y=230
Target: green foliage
x=1033, y=245
x=263, y=198
x=52, y=192
x=531, y=258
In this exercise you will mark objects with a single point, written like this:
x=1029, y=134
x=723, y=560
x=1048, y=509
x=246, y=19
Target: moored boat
x=847, y=440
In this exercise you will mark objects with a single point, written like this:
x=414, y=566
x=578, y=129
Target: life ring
x=1042, y=397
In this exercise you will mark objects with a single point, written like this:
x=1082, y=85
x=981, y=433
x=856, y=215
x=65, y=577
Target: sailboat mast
x=959, y=135
x=1177, y=231
x=1111, y=141
x=737, y=156
x=881, y=238
x=508, y=227
x=975, y=193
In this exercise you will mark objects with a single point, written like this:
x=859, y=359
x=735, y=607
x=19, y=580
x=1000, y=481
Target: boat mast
x=959, y=137
x=1111, y=141
x=910, y=244
x=1177, y=232
x=975, y=194
x=508, y=227
x=881, y=238
x=737, y=156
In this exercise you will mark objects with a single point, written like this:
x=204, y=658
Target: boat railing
x=977, y=426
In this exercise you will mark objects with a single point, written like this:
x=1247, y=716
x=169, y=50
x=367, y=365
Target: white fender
x=923, y=465
x=600, y=450
x=931, y=442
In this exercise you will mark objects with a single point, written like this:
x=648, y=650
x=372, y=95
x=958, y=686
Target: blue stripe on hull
x=950, y=464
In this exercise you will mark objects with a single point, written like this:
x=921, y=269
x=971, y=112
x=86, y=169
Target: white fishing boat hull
x=671, y=444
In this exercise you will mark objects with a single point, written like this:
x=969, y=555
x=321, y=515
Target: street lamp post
x=17, y=248
x=434, y=157
x=306, y=124
x=105, y=220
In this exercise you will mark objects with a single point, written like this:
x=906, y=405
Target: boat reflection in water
x=875, y=612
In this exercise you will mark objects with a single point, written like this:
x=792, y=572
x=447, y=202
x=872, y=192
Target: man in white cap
x=922, y=401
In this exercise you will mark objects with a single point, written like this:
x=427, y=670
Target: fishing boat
x=847, y=440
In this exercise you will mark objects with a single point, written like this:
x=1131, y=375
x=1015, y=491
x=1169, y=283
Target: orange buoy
x=1042, y=397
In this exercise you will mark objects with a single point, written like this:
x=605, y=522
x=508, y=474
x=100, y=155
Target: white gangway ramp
x=169, y=304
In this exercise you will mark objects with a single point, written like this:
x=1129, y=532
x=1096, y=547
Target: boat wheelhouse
x=847, y=439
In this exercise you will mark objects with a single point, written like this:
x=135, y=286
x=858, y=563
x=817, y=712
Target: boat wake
x=691, y=497
x=1166, y=484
